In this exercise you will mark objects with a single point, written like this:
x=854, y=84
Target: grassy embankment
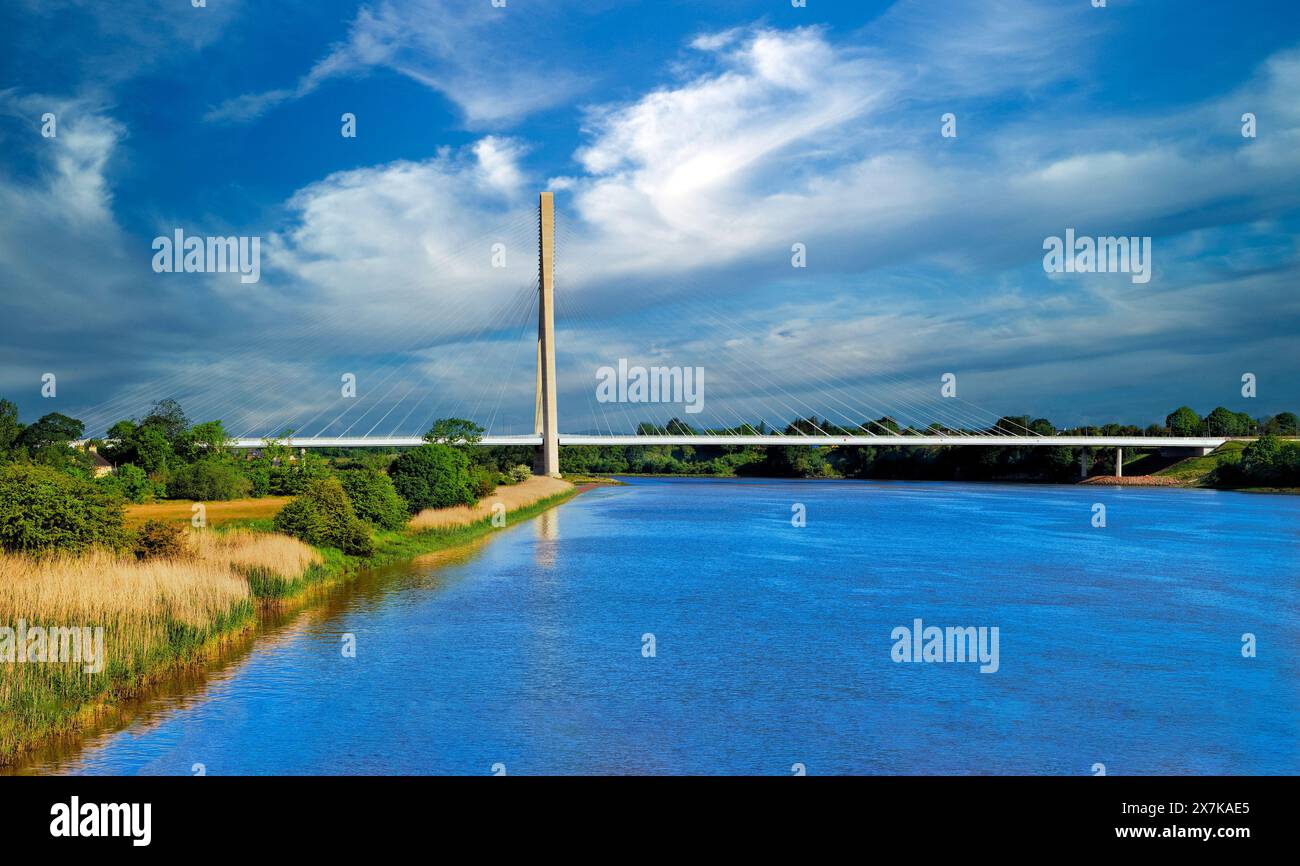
x=1194, y=470
x=162, y=615
x=1155, y=470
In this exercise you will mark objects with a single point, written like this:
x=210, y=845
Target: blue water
x=1118, y=645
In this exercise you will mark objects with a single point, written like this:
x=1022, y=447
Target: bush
x=210, y=479
x=374, y=498
x=259, y=476
x=323, y=515
x=134, y=483
x=482, y=480
x=291, y=477
x=432, y=476
x=43, y=509
x=520, y=473
x=158, y=539
x=1266, y=462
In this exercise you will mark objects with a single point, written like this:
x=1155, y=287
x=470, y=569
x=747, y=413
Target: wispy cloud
x=473, y=54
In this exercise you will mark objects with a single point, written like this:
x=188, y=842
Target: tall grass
x=514, y=497
x=161, y=613
x=154, y=614
x=274, y=565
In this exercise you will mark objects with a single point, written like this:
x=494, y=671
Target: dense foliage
x=483, y=480
x=1050, y=464
x=209, y=479
x=1266, y=462
x=374, y=497
x=433, y=476
x=43, y=509
x=323, y=515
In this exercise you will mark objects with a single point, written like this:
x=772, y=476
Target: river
x=688, y=626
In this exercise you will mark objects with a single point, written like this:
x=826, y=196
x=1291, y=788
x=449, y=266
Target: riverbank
x=161, y=617
x=1136, y=481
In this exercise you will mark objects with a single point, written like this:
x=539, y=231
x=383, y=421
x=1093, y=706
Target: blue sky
x=690, y=145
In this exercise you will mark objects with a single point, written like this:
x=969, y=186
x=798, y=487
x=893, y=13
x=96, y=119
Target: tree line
x=52, y=497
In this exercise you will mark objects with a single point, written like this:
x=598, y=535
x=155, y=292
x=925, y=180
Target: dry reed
x=153, y=613
x=513, y=497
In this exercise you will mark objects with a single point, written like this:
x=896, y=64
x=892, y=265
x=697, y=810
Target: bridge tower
x=545, y=419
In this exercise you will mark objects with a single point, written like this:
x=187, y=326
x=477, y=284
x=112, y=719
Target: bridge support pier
x=1119, y=462
x=548, y=454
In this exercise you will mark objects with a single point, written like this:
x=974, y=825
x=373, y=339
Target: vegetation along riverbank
x=100, y=597
x=127, y=557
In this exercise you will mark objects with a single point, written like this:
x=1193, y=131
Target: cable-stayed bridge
x=396, y=404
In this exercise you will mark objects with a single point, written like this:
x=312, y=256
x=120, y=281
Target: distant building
x=100, y=466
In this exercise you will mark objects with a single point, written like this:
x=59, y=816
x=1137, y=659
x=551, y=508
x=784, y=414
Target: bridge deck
x=580, y=439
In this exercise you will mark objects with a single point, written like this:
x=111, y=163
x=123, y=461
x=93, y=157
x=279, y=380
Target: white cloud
x=476, y=55
x=920, y=249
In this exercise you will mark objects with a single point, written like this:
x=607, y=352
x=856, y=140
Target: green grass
x=402, y=545
x=1193, y=469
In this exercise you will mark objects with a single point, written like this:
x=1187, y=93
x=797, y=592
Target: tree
x=374, y=497
x=133, y=482
x=44, y=510
x=1183, y=421
x=432, y=476
x=885, y=425
x=1223, y=422
x=1281, y=424
x=54, y=429
x=1261, y=459
x=167, y=416
x=152, y=449
x=10, y=429
x=211, y=479
x=454, y=431
x=208, y=439
x=678, y=427
x=1011, y=425
x=1042, y=427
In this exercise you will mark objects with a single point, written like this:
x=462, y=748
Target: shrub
x=323, y=515
x=210, y=479
x=134, y=483
x=158, y=539
x=482, y=480
x=43, y=509
x=374, y=498
x=520, y=472
x=259, y=476
x=291, y=477
x=432, y=476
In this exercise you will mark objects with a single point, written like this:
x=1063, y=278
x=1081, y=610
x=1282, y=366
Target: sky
x=691, y=146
